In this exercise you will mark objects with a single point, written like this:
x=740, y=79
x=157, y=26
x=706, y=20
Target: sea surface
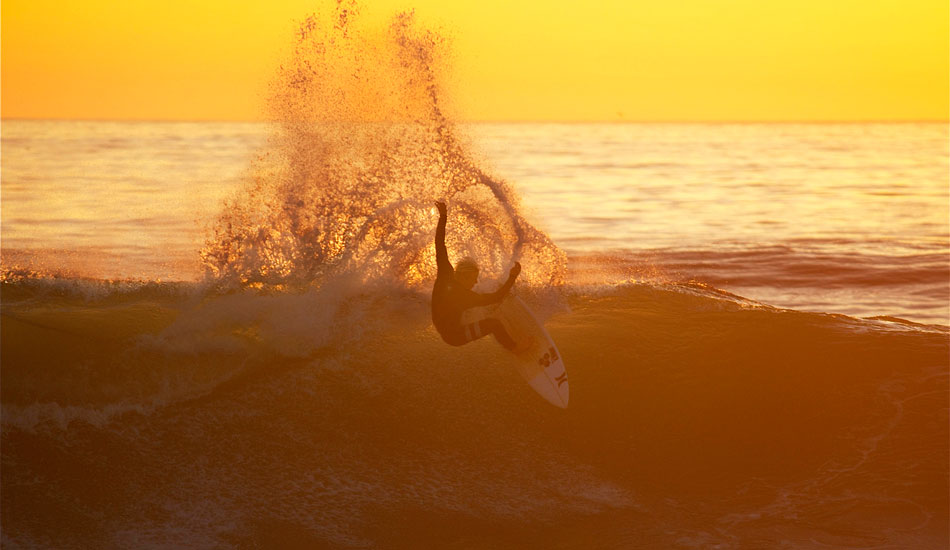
x=217, y=335
x=834, y=218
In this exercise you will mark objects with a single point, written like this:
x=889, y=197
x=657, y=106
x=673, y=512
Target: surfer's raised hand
x=515, y=270
x=441, y=206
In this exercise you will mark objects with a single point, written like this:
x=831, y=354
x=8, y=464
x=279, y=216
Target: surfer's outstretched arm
x=498, y=295
x=441, y=254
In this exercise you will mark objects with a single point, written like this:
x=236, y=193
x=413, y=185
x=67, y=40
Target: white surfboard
x=539, y=360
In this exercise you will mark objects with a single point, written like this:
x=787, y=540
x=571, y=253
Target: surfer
x=453, y=294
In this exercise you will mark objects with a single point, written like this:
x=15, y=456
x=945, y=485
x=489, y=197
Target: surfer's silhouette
x=453, y=294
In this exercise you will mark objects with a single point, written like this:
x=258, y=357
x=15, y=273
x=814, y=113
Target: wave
x=157, y=329
x=680, y=393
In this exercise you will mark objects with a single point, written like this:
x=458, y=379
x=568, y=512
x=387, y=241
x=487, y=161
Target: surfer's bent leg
x=494, y=326
x=474, y=331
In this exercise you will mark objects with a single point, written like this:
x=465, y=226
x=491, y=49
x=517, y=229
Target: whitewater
x=217, y=335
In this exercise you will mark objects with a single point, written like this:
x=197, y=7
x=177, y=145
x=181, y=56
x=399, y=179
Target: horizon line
x=511, y=121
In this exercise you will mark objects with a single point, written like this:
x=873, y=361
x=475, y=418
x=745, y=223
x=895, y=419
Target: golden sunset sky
x=622, y=60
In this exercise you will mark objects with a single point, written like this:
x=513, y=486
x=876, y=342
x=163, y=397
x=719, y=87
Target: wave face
x=158, y=415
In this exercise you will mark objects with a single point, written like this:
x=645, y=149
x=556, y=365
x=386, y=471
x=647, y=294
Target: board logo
x=548, y=358
x=561, y=379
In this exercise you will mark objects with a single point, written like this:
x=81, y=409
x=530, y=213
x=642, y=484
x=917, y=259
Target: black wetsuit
x=449, y=300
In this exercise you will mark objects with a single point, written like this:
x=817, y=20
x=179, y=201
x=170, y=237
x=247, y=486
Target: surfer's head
x=466, y=272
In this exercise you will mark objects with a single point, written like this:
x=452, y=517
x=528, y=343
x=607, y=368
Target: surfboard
x=538, y=360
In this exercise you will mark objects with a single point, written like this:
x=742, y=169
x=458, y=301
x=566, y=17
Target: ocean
x=217, y=335
x=757, y=350
x=829, y=218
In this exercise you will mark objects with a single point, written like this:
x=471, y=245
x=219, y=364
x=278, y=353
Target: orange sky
x=622, y=60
